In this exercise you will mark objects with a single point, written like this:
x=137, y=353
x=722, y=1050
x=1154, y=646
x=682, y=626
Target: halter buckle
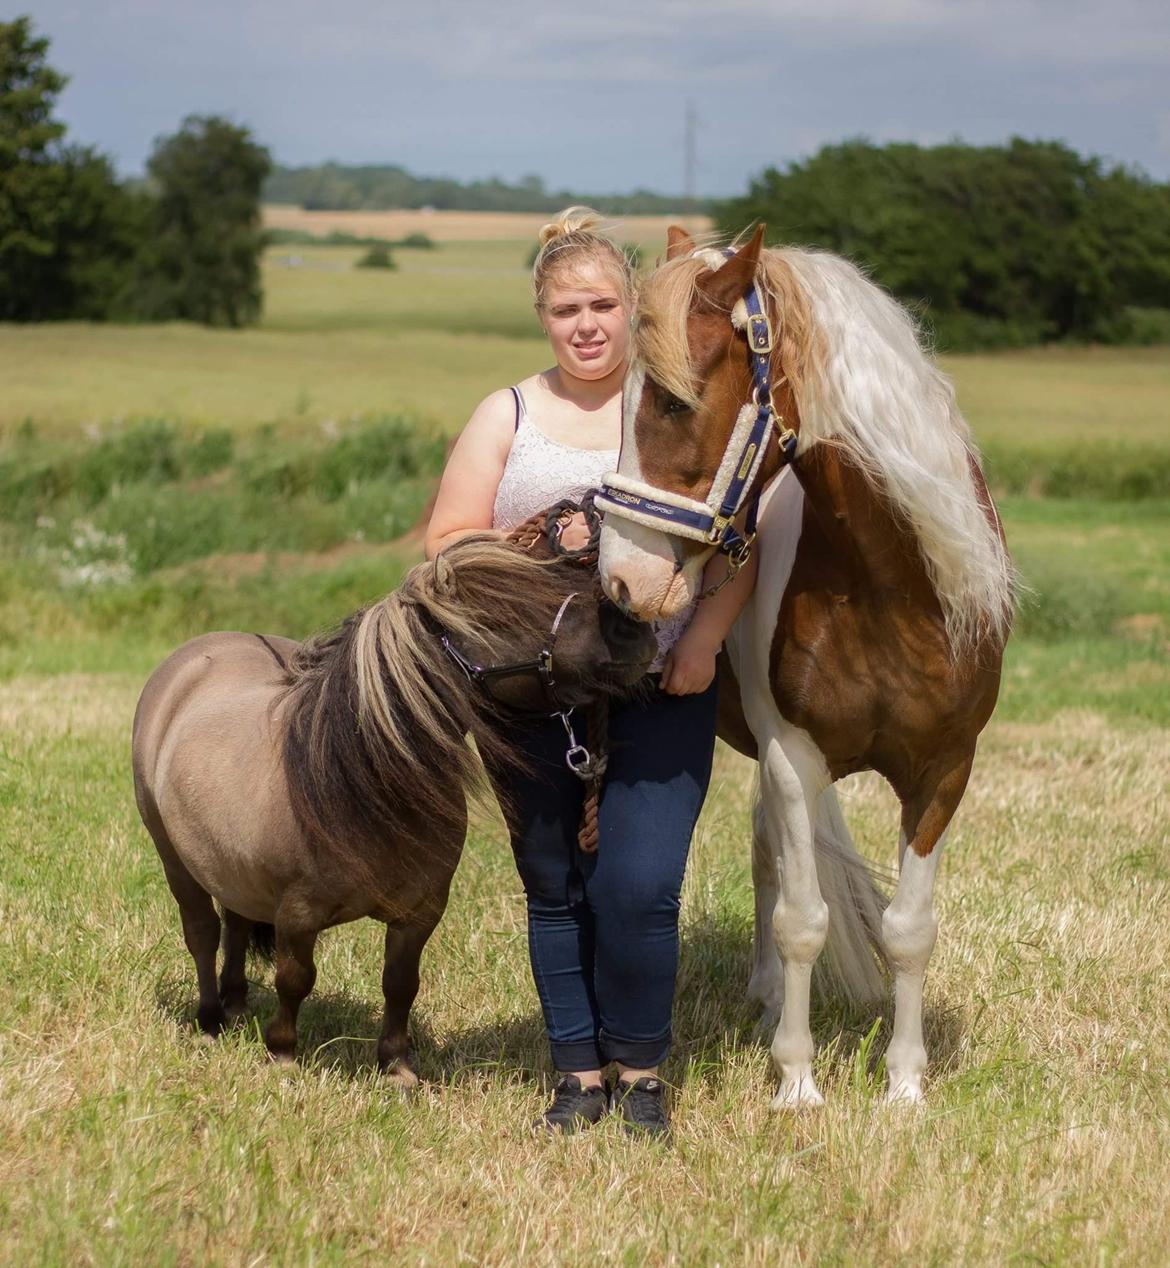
x=759, y=333
x=718, y=528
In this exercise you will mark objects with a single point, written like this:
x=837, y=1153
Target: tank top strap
x=521, y=407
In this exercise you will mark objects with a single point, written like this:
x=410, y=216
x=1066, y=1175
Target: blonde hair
x=575, y=239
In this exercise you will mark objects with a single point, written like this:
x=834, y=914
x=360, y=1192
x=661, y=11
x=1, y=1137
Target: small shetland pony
x=876, y=630
x=305, y=785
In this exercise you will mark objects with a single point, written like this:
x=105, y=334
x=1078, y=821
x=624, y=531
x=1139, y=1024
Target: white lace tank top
x=541, y=471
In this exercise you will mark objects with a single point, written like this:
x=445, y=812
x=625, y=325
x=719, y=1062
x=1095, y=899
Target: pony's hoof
x=282, y=1056
x=399, y=1075
x=798, y=1094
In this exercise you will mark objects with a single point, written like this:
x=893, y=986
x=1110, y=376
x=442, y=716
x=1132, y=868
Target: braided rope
x=546, y=526
x=597, y=738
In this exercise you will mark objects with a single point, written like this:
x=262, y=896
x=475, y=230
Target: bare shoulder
x=496, y=410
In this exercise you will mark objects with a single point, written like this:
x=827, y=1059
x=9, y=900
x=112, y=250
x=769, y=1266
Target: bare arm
x=467, y=491
x=690, y=664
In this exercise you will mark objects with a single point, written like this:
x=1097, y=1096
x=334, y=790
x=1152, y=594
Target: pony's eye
x=672, y=406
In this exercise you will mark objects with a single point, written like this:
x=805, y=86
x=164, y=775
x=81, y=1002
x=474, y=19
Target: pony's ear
x=729, y=283
x=678, y=242
x=444, y=575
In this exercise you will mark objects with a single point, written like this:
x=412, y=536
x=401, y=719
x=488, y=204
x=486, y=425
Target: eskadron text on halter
x=712, y=520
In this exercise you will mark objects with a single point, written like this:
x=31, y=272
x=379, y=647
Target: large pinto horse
x=304, y=785
x=884, y=596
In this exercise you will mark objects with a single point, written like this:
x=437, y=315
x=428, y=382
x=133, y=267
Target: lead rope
x=548, y=525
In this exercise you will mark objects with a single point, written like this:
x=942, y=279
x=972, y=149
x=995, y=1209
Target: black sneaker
x=573, y=1107
x=642, y=1105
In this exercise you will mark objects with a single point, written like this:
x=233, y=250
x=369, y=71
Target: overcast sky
x=592, y=96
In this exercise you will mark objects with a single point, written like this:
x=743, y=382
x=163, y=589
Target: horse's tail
x=262, y=941
x=853, y=958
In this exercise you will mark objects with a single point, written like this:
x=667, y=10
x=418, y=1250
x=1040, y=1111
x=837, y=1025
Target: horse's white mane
x=874, y=393
x=863, y=383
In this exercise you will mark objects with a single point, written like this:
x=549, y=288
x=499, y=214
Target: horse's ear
x=678, y=242
x=728, y=284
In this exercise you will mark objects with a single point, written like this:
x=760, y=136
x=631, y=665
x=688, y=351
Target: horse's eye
x=673, y=407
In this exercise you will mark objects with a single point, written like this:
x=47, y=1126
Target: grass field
x=255, y=500
x=464, y=226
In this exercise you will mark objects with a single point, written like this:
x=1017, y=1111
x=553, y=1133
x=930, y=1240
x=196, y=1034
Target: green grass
x=430, y=339
x=174, y=480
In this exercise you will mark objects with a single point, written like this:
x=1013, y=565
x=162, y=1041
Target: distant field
x=432, y=338
x=465, y=226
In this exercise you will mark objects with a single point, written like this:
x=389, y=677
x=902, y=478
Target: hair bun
x=572, y=220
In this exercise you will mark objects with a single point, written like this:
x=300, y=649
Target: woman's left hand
x=575, y=533
x=689, y=667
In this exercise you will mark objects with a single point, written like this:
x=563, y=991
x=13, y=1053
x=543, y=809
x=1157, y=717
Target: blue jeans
x=603, y=928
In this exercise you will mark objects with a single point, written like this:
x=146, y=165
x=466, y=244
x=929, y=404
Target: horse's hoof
x=798, y=1094
x=282, y=1057
x=905, y=1092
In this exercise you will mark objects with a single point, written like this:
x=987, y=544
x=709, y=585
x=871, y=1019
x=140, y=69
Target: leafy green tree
x=203, y=263
x=68, y=231
x=999, y=244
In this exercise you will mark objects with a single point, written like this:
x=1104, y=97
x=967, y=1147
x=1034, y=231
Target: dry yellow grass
x=1046, y=1139
x=464, y=226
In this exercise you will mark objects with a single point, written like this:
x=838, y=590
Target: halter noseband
x=711, y=521
x=577, y=758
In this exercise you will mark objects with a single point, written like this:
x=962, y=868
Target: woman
x=603, y=928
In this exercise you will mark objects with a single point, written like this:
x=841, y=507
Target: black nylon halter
x=577, y=758
x=541, y=664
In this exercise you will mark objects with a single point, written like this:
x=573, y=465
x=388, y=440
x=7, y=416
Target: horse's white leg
x=909, y=926
x=766, y=985
x=749, y=645
x=909, y=930
x=792, y=776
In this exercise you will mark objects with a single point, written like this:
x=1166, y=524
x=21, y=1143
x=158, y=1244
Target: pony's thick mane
x=374, y=747
x=863, y=383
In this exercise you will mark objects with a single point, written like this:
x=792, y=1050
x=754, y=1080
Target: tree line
x=75, y=242
x=1000, y=245
x=1021, y=243
x=384, y=187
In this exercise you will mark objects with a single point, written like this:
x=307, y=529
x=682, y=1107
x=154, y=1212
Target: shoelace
x=643, y=1099
x=567, y=1097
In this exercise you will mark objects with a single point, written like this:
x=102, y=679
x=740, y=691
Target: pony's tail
x=262, y=941
x=853, y=960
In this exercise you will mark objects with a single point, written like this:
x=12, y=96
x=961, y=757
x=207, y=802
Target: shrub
x=377, y=257
x=1114, y=473
x=1062, y=601
x=138, y=498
